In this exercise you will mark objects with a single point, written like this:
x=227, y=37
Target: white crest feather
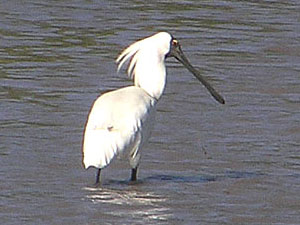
x=128, y=53
x=132, y=52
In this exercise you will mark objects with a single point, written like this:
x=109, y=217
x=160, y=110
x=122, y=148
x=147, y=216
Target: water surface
x=206, y=163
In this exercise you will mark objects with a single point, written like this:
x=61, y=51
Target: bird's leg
x=133, y=174
x=98, y=176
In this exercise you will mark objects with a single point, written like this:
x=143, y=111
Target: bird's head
x=166, y=46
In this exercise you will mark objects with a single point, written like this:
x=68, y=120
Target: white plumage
x=120, y=121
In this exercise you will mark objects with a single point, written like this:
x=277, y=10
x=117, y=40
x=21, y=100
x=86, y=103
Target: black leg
x=133, y=174
x=98, y=176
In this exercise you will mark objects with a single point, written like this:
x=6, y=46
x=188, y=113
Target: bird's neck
x=150, y=75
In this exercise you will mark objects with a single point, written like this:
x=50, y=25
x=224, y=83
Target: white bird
x=120, y=121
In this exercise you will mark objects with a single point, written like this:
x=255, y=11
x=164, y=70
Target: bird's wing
x=114, y=125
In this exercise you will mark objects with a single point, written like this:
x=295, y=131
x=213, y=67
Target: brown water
x=205, y=164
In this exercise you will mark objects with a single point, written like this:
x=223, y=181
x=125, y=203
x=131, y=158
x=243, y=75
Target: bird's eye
x=174, y=43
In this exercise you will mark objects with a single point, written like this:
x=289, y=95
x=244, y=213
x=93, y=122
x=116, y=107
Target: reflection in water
x=143, y=205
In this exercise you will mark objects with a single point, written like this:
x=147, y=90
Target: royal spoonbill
x=120, y=121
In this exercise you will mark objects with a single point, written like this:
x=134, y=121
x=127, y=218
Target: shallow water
x=206, y=163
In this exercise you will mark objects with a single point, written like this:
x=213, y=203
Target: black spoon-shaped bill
x=178, y=54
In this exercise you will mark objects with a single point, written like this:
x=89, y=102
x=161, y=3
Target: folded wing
x=114, y=126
